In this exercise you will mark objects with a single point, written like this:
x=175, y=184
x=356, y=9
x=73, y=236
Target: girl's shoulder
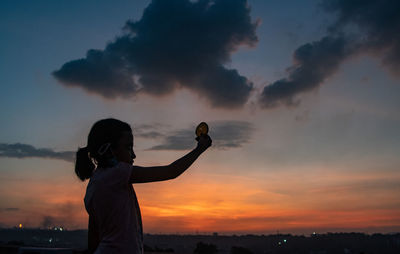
x=121, y=172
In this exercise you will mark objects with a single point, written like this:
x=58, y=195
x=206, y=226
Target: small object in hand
x=202, y=129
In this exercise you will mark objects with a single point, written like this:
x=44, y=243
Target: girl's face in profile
x=124, y=150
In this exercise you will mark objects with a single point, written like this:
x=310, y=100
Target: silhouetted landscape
x=25, y=240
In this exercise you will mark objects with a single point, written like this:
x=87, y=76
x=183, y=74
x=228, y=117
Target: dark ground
x=75, y=241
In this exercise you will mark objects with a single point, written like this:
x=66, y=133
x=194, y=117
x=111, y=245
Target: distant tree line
x=205, y=248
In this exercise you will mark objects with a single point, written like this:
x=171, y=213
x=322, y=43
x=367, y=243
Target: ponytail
x=83, y=165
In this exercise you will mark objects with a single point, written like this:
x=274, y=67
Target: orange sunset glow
x=212, y=202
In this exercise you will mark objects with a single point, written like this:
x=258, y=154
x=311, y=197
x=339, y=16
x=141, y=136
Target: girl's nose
x=133, y=155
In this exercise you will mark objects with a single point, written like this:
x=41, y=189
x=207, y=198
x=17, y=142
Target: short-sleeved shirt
x=111, y=202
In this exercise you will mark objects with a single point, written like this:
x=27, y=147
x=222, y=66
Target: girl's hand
x=203, y=142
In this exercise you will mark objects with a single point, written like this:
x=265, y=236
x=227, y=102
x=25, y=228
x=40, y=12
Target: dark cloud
x=178, y=140
x=231, y=134
x=379, y=24
x=225, y=135
x=18, y=150
x=150, y=131
x=313, y=63
x=150, y=134
x=100, y=72
x=369, y=26
x=176, y=43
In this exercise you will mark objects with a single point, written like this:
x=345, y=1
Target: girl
x=115, y=223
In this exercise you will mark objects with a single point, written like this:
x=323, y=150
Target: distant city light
x=50, y=240
x=20, y=225
x=61, y=229
x=314, y=233
x=279, y=243
x=284, y=240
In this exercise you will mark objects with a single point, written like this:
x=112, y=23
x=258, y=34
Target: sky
x=301, y=99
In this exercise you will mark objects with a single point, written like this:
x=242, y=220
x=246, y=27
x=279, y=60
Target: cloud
x=150, y=134
x=225, y=135
x=175, y=44
x=313, y=63
x=179, y=140
x=377, y=24
x=19, y=150
x=150, y=131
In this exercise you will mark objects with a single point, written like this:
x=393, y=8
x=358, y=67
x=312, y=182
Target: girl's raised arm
x=173, y=170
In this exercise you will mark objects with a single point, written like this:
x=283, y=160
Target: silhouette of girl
x=115, y=223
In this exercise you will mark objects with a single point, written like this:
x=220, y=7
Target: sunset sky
x=302, y=101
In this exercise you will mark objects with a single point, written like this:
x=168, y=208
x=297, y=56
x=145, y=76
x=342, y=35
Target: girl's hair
x=103, y=131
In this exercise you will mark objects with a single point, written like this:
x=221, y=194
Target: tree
x=204, y=248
